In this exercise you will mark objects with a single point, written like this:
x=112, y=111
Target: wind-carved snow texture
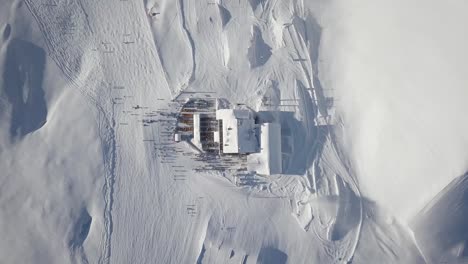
x=218, y=248
x=254, y=3
x=311, y=33
x=224, y=14
x=259, y=52
x=109, y=155
x=348, y=213
x=301, y=157
x=63, y=25
x=190, y=38
x=343, y=235
x=269, y=255
x=441, y=231
x=6, y=32
x=79, y=233
x=202, y=255
x=165, y=210
x=393, y=242
x=23, y=77
x=170, y=39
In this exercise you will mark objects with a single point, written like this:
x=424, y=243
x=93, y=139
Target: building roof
x=238, y=130
x=269, y=160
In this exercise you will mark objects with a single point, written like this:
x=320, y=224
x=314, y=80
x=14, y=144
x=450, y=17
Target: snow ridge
x=108, y=188
x=190, y=38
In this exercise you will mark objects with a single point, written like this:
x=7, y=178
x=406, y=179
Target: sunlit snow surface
x=89, y=173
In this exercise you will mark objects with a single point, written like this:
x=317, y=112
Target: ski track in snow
x=300, y=47
x=64, y=57
x=58, y=30
x=44, y=20
x=152, y=205
x=108, y=189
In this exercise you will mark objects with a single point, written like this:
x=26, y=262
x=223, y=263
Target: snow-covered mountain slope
x=400, y=69
x=88, y=98
x=440, y=228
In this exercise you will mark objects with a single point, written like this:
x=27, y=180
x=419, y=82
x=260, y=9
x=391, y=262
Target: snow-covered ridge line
x=109, y=156
x=190, y=38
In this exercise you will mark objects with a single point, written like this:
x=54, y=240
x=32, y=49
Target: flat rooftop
x=238, y=131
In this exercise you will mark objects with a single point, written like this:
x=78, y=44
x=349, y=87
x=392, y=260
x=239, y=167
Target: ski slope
x=90, y=173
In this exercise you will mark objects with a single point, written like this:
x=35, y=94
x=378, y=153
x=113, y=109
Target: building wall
x=196, y=130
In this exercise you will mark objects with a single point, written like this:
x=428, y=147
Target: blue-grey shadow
x=441, y=226
x=22, y=85
x=269, y=255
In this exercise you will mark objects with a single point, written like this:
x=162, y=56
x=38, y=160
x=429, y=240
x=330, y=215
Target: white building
x=270, y=148
x=268, y=161
x=237, y=131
